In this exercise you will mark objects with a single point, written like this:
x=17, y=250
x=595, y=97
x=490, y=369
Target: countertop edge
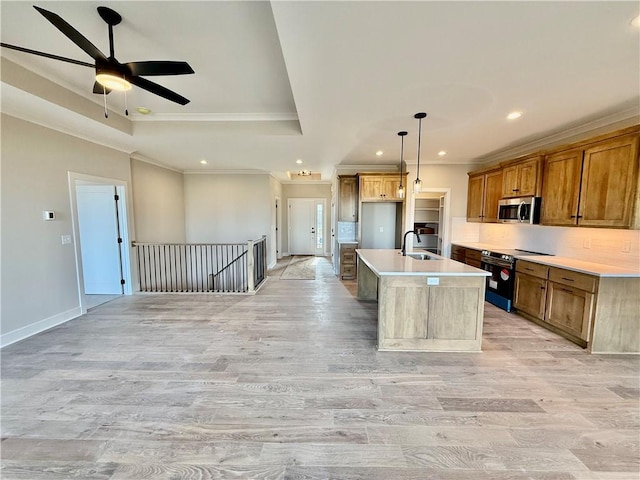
x=580, y=266
x=385, y=273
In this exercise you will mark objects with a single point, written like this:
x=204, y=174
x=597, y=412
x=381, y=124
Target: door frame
x=278, y=206
x=324, y=221
x=124, y=218
x=446, y=217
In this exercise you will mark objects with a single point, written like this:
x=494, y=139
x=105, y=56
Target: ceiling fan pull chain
x=104, y=95
x=126, y=107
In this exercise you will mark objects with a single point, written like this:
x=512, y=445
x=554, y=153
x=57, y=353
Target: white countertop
x=590, y=268
x=391, y=262
x=581, y=266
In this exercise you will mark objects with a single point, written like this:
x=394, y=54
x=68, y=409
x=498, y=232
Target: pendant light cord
x=419, y=137
x=401, y=156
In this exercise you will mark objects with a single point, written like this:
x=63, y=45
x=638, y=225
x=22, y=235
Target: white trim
x=613, y=121
x=126, y=222
x=37, y=327
x=216, y=117
x=142, y=158
x=373, y=168
x=226, y=172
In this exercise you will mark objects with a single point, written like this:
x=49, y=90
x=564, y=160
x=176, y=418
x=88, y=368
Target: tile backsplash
x=600, y=245
x=347, y=231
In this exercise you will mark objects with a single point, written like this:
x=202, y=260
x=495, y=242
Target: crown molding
x=142, y=158
x=215, y=117
x=617, y=120
x=353, y=169
x=226, y=172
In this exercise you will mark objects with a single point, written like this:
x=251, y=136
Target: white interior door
x=306, y=226
x=100, y=250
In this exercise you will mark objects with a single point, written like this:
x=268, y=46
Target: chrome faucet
x=404, y=241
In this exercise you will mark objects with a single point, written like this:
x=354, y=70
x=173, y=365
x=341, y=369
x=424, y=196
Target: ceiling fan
x=110, y=73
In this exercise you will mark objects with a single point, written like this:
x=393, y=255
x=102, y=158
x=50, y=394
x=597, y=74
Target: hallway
x=287, y=384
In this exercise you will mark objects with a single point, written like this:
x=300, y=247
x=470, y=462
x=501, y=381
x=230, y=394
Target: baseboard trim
x=37, y=327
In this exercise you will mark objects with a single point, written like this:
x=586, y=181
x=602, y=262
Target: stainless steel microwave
x=519, y=210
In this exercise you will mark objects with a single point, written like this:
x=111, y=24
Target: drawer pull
x=529, y=269
x=568, y=279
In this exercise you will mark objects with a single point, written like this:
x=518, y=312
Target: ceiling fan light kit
x=110, y=73
x=111, y=81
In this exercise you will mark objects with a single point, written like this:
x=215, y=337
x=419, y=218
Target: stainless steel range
x=502, y=266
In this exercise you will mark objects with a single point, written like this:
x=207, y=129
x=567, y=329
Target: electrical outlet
x=66, y=239
x=626, y=247
x=586, y=243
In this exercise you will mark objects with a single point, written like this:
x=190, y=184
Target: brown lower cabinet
x=599, y=313
x=467, y=255
x=530, y=291
x=348, y=269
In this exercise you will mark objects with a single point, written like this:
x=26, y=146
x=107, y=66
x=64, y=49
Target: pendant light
x=401, y=187
x=417, y=185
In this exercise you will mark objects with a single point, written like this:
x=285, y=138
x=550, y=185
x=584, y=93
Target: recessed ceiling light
x=514, y=115
x=636, y=21
x=203, y=162
x=143, y=110
x=298, y=161
x=442, y=153
x=379, y=153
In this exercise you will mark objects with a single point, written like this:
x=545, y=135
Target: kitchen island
x=426, y=303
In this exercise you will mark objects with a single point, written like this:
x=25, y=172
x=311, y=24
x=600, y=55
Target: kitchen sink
x=422, y=256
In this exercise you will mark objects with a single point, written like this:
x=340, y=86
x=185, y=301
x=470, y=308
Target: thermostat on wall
x=49, y=215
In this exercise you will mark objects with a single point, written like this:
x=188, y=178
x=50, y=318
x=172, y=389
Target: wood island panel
x=415, y=316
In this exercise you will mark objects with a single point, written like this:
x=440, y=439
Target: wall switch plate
x=66, y=239
x=48, y=215
x=626, y=247
x=586, y=243
x=433, y=281
x=381, y=229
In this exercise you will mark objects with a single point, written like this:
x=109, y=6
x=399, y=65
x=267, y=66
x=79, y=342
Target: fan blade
x=47, y=55
x=158, y=90
x=159, y=68
x=73, y=35
x=97, y=88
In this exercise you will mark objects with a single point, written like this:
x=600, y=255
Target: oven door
x=499, y=289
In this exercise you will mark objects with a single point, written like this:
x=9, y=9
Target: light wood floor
x=287, y=384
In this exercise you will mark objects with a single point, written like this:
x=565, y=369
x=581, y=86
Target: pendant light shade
x=401, y=187
x=417, y=185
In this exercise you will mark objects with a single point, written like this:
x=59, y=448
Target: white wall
x=605, y=244
x=444, y=176
x=227, y=208
x=158, y=201
x=297, y=190
x=40, y=281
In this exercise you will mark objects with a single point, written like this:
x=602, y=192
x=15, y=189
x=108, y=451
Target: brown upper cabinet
x=485, y=189
x=348, y=208
x=521, y=178
x=380, y=187
x=592, y=186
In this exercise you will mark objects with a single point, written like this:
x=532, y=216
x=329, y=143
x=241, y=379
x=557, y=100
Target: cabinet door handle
x=515, y=190
x=565, y=290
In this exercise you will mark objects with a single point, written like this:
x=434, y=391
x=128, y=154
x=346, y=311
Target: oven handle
x=496, y=262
